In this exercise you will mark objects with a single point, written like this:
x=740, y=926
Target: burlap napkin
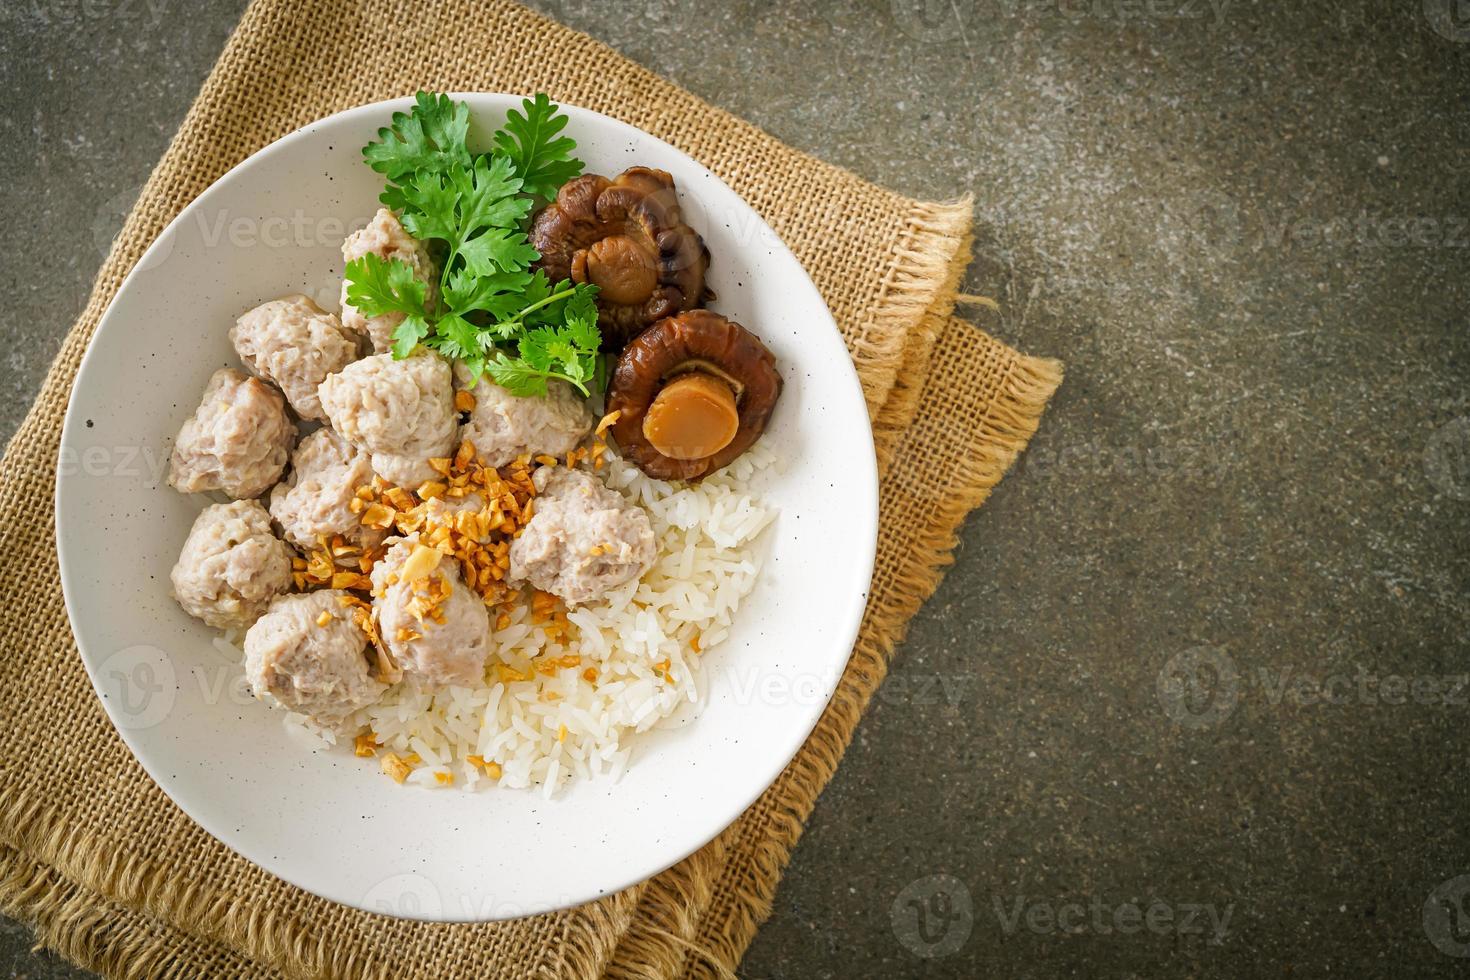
x=116, y=878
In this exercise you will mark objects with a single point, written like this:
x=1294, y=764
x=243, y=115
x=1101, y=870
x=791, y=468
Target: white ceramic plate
x=327, y=821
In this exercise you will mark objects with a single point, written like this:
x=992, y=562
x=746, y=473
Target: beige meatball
x=583, y=539
x=384, y=237
x=403, y=471
x=503, y=426
x=231, y=566
x=433, y=625
x=295, y=344
x=401, y=412
x=326, y=471
x=236, y=441
x=308, y=655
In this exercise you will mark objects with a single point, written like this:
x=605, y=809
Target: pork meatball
x=231, y=566
x=384, y=237
x=295, y=344
x=401, y=412
x=583, y=539
x=236, y=441
x=308, y=655
x=316, y=500
x=503, y=426
x=432, y=624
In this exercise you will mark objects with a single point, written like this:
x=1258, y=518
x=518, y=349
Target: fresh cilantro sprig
x=428, y=139
x=543, y=159
x=490, y=310
x=565, y=350
x=377, y=287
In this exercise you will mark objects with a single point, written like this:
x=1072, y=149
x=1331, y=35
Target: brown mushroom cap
x=627, y=236
x=696, y=341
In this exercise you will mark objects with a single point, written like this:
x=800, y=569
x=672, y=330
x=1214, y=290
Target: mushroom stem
x=692, y=417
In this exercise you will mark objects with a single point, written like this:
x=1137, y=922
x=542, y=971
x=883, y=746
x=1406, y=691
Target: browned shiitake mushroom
x=627, y=237
x=692, y=392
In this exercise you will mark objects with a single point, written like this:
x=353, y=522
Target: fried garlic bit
x=491, y=769
x=550, y=665
x=334, y=564
x=470, y=512
x=551, y=613
x=361, y=612
x=365, y=746
x=396, y=768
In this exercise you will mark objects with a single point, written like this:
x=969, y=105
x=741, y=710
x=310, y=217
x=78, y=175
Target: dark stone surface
x=1244, y=226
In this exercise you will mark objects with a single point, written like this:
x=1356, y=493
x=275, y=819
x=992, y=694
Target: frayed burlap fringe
x=922, y=278
x=72, y=922
x=900, y=406
x=663, y=932
x=203, y=915
x=272, y=938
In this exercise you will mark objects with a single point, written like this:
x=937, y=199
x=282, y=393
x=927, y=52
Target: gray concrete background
x=1244, y=227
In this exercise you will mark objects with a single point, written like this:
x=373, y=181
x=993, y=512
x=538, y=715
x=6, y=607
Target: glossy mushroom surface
x=627, y=236
x=676, y=386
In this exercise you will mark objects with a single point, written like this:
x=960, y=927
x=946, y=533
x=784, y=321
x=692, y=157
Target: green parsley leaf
x=582, y=330
x=476, y=367
x=376, y=287
x=538, y=291
x=545, y=347
x=516, y=376
x=542, y=159
x=430, y=206
x=428, y=138
x=565, y=301
x=408, y=334
x=602, y=374
x=567, y=352
x=489, y=194
x=457, y=337
x=499, y=294
x=498, y=250
x=461, y=204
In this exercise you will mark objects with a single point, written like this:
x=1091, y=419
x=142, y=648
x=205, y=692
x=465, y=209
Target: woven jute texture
x=116, y=878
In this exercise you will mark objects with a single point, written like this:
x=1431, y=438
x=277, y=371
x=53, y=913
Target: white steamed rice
x=551, y=729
